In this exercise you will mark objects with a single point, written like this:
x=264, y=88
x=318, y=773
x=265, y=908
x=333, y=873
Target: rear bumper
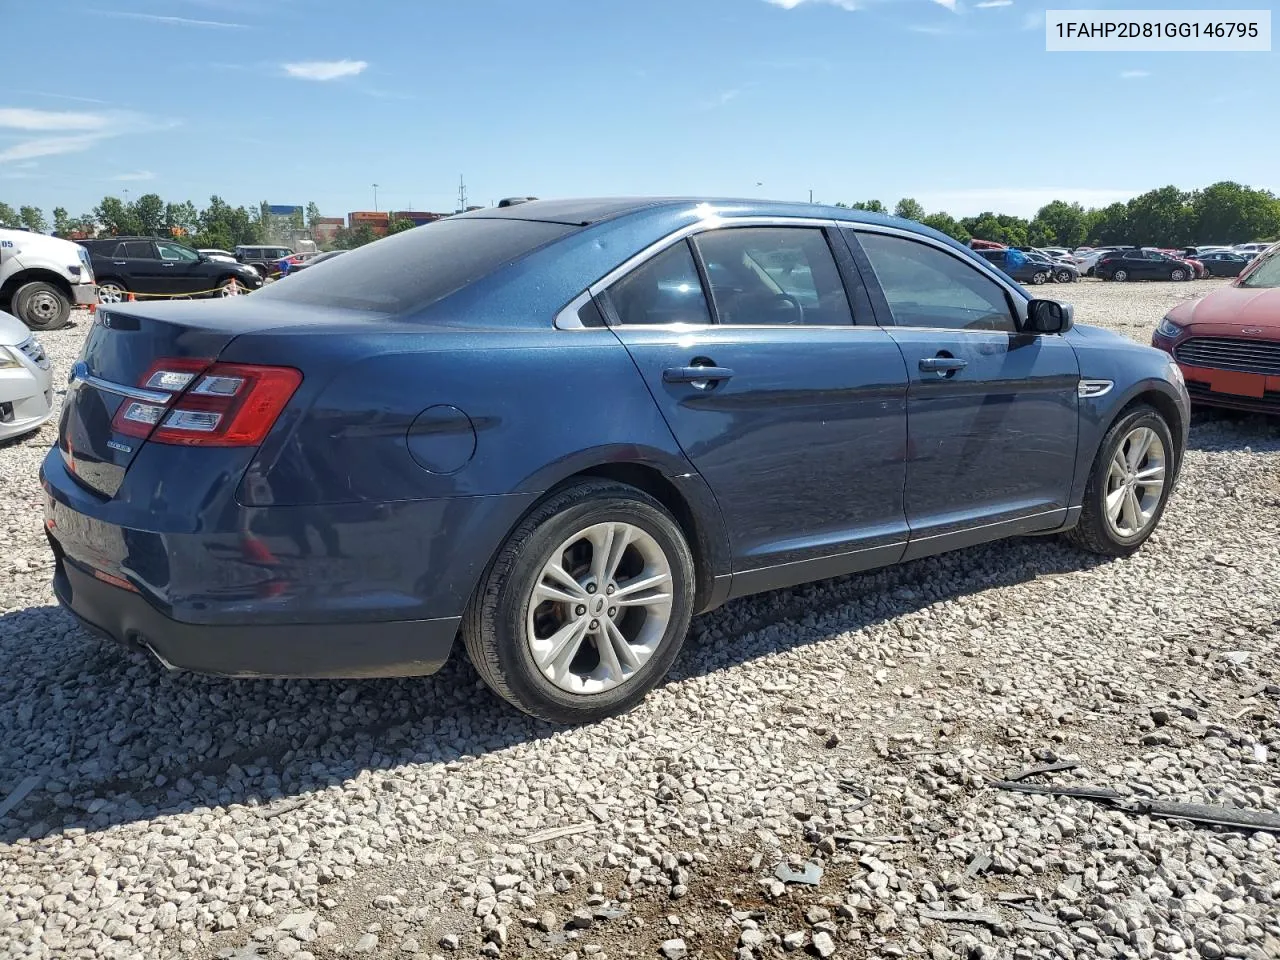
x=318, y=650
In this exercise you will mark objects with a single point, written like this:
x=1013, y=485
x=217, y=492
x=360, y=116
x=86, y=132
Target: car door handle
x=696, y=374
x=942, y=364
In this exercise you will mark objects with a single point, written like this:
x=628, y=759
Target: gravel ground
x=851, y=724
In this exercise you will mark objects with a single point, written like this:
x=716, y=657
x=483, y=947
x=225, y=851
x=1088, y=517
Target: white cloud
x=135, y=175
x=20, y=118
x=1020, y=201
x=325, y=69
x=174, y=21
x=989, y=4
x=50, y=146
x=1134, y=74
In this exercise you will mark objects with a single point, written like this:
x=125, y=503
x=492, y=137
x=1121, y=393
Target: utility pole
x=375, y=198
x=811, y=196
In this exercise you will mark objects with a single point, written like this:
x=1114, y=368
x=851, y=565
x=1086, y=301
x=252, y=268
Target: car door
x=793, y=414
x=181, y=269
x=991, y=412
x=139, y=267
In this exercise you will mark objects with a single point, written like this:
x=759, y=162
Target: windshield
x=1266, y=273
x=409, y=270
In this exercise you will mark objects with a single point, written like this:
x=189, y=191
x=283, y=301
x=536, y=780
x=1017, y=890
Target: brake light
x=229, y=405
x=203, y=403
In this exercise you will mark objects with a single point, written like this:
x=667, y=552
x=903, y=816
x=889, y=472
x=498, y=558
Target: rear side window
x=415, y=268
x=664, y=289
x=135, y=250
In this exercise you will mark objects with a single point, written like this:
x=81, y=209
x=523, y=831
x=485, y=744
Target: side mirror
x=1049, y=316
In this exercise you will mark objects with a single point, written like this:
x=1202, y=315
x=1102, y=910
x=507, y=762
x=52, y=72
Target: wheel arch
x=34, y=275
x=1150, y=392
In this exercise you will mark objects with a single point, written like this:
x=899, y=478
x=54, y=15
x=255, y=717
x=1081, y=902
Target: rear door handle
x=942, y=364
x=695, y=374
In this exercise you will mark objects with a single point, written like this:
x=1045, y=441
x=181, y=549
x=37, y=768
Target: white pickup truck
x=42, y=277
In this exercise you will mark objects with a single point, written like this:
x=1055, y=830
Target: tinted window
x=410, y=270
x=927, y=287
x=769, y=275
x=136, y=250
x=1135, y=255
x=663, y=289
x=176, y=251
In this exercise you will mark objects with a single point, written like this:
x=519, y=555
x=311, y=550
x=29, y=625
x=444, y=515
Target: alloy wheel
x=599, y=608
x=1039, y=277
x=1135, y=482
x=1120, y=276
x=110, y=293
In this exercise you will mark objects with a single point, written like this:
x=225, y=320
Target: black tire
x=1094, y=532
x=1064, y=276
x=1039, y=277
x=41, y=306
x=1120, y=276
x=493, y=629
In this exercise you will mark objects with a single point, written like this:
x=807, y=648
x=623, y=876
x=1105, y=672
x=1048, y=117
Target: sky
x=953, y=102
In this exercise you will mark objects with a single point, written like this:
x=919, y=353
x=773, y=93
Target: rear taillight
x=208, y=404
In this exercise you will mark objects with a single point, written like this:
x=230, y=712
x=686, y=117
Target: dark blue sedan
x=560, y=429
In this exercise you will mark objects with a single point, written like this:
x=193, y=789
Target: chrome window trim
x=80, y=374
x=567, y=318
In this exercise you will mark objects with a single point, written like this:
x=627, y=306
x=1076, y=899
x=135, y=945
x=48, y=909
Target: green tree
x=149, y=211
x=8, y=215
x=1228, y=212
x=1059, y=224
x=998, y=227
x=1160, y=218
x=1109, y=225
x=61, y=221
x=116, y=218
x=33, y=219
x=85, y=223
x=313, y=214
x=399, y=225
x=871, y=206
x=182, y=218
x=945, y=223
x=909, y=209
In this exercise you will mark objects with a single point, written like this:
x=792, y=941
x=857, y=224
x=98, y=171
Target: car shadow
x=112, y=738
x=1219, y=429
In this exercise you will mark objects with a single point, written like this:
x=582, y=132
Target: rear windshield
x=415, y=268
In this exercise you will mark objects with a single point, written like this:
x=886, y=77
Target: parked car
x=213, y=253
x=1054, y=253
x=1227, y=344
x=320, y=258
x=1029, y=271
x=537, y=429
x=26, y=386
x=1224, y=263
x=264, y=259
x=162, y=268
x=1087, y=262
x=1254, y=248
x=1059, y=271
x=1124, y=265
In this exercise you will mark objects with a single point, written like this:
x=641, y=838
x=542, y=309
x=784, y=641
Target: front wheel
x=41, y=306
x=230, y=287
x=1128, y=486
x=586, y=605
x=1065, y=276
x=1178, y=275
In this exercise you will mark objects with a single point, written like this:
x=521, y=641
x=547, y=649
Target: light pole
x=375, y=198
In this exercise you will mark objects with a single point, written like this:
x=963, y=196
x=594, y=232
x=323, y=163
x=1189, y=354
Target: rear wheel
x=586, y=605
x=1120, y=276
x=1039, y=277
x=112, y=291
x=41, y=306
x=1128, y=486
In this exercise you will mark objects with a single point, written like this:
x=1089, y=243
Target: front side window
x=774, y=275
x=927, y=287
x=664, y=289
x=176, y=252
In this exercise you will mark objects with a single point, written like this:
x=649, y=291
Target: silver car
x=26, y=386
